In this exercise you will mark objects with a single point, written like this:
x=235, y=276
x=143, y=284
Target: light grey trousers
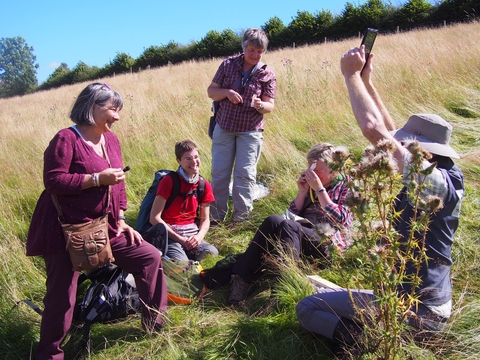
x=238, y=152
x=320, y=313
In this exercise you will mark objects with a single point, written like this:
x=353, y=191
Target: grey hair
x=322, y=152
x=94, y=94
x=256, y=38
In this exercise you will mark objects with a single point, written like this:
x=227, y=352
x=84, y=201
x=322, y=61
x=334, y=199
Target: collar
x=340, y=177
x=182, y=173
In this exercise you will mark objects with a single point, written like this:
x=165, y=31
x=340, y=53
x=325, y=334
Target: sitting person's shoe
x=238, y=290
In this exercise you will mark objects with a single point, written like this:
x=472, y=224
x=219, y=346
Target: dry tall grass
x=434, y=70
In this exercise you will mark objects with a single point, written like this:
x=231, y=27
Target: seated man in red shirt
x=185, y=236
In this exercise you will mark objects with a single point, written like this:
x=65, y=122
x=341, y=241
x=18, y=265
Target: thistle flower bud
x=325, y=229
x=340, y=154
x=369, y=151
x=434, y=203
x=385, y=146
x=418, y=153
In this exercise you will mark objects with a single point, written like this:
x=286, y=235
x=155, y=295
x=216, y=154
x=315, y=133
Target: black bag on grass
x=112, y=295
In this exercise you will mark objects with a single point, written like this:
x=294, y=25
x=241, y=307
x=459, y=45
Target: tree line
x=18, y=68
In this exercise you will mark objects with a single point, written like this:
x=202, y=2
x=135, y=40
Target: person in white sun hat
x=332, y=313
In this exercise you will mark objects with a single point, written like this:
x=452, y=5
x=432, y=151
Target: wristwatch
x=319, y=190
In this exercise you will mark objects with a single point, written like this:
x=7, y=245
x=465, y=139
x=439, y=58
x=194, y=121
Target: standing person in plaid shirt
x=320, y=200
x=245, y=89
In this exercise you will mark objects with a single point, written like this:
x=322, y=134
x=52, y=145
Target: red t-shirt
x=182, y=211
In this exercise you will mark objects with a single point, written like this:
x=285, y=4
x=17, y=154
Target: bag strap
x=243, y=81
x=237, y=83
x=200, y=189
x=61, y=218
x=175, y=188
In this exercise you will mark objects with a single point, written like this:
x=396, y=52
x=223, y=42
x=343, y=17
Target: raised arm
x=367, y=80
x=365, y=108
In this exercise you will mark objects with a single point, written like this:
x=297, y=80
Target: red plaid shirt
x=242, y=117
x=337, y=214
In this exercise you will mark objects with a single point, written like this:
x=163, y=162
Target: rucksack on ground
x=143, y=219
x=112, y=295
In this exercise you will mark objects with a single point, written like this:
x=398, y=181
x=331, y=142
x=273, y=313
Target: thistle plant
x=341, y=160
x=288, y=65
x=384, y=255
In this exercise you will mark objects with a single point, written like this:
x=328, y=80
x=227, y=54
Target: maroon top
x=66, y=161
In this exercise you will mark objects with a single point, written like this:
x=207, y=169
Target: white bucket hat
x=431, y=131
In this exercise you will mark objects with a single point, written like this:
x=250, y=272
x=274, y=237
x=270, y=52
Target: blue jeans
x=157, y=236
x=238, y=152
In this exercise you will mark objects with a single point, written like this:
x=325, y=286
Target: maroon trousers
x=142, y=261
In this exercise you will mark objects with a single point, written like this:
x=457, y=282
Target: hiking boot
x=238, y=290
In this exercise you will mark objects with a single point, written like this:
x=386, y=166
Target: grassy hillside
x=422, y=71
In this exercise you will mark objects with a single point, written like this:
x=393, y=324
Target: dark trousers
x=276, y=231
x=142, y=261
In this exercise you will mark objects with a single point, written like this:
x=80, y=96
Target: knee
x=272, y=222
x=212, y=250
x=149, y=253
x=287, y=225
x=303, y=311
x=156, y=256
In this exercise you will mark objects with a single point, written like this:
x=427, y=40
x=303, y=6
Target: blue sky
x=94, y=31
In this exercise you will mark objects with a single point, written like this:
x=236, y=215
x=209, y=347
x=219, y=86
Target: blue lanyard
x=245, y=81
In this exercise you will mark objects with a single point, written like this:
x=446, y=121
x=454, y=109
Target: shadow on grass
x=102, y=336
x=270, y=337
x=18, y=339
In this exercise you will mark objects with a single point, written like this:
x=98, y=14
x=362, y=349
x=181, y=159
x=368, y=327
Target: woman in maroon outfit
x=77, y=170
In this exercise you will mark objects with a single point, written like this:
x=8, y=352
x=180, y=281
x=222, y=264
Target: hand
x=257, y=103
x=234, y=97
x=352, y=61
x=302, y=183
x=111, y=176
x=133, y=234
x=313, y=180
x=191, y=243
x=368, y=69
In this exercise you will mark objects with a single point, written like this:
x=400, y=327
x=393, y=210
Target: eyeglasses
x=188, y=158
x=107, y=86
